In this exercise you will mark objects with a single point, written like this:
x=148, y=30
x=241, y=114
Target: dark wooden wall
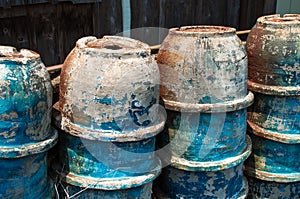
x=52, y=28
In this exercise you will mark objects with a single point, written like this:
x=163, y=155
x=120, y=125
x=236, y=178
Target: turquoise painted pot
x=26, y=98
x=276, y=116
x=261, y=189
x=273, y=51
x=109, y=85
x=139, y=192
x=110, y=115
x=106, y=160
x=206, y=136
x=25, y=177
x=272, y=160
x=273, y=120
x=211, y=179
x=204, y=88
x=25, y=117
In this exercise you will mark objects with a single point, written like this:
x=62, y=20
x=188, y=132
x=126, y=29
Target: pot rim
x=10, y=53
x=276, y=19
x=203, y=30
x=113, y=45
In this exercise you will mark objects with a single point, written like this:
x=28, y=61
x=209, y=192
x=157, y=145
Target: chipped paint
x=25, y=131
x=273, y=161
x=140, y=192
x=207, y=137
x=19, y=177
x=110, y=115
x=277, y=115
x=204, y=87
x=213, y=179
x=123, y=85
x=181, y=184
x=273, y=49
x=260, y=189
x=26, y=97
x=202, y=65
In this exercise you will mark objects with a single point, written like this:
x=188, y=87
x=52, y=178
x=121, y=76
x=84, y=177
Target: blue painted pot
x=26, y=134
x=276, y=116
x=261, y=189
x=26, y=98
x=204, y=88
x=139, y=192
x=206, y=136
x=273, y=51
x=25, y=177
x=109, y=123
x=211, y=179
x=121, y=96
x=272, y=160
x=180, y=184
x=202, y=65
x=106, y=160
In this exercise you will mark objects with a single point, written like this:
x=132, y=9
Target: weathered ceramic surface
x=276, y=117
x=211, y=179
x=273, y=48
x=206, y=136
x=180, y=184
x=202, y=65
x=113, y=76
x=273, y=161
x=259, y=189
x=25, y=131
x=26, y=98
x=106, y=160
x=25, y=177
x=140, y=192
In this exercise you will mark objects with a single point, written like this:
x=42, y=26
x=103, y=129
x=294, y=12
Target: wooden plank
x=270, y=7
x=42, y=33
x=221, y=12
x=144, y=13
x=109, y=18
x=74, y=22
x=145, y=21
x=179, y=13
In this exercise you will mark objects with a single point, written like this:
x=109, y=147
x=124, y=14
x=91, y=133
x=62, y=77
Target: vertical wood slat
x=52, y=29
x=109, y=18
x=252, y=9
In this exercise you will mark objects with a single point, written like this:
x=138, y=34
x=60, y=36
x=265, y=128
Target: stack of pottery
x=25, y=130
x=273, y=47
x=204, y=87
x=109, y=95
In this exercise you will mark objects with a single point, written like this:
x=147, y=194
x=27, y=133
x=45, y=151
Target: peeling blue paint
x=24, y=103
x=140, y=192
x=25, y=131
x=177, y=184
x=106, y=159
x=205, y=136
x=275, y=158
x=275, y=113
x=270, y=189
x=25, y=178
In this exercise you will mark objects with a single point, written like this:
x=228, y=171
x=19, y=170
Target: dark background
x=51, y=27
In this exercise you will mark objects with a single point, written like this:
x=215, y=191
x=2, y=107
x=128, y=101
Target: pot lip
x=203, y=30
x=276, y=19
x=114, y=45
x=10, y=53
